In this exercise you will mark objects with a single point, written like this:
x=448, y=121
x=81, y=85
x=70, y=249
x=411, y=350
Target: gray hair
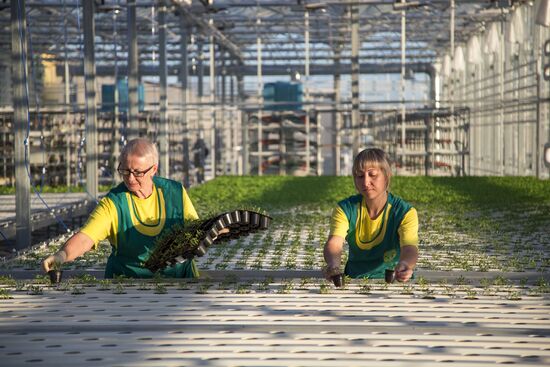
x=140, y=147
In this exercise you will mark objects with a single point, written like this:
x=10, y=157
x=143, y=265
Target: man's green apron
x=133, y=248
x=373, y=262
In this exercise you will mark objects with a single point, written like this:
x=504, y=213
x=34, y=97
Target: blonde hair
x=372, y=157
x=140, y=147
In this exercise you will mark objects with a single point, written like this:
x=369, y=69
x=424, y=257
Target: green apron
x=133, y=247
x=372, y=263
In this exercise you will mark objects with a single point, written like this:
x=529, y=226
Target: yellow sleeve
x=408, y=230
x=103, y=222
x=189, y=211
x=339, y=224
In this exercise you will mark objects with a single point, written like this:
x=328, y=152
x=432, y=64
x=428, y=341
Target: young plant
x=364, y=286
x=119, y=289
x=160, y=289
x=34, y=290
x=76, y=290
x=104, y=285
x=471, y=293
x=324, y=287
x=5, y=294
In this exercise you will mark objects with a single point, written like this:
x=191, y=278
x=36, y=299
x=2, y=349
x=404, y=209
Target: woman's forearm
x=409, y=255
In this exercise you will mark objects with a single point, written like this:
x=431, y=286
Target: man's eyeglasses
x=127, y=172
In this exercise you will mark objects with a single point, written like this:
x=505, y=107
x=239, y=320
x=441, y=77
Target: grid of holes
x=494, y=329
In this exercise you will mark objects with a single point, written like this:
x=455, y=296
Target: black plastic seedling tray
x=223, y=227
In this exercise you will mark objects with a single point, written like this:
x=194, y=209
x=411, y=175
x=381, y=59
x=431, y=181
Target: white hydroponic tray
x=275, y=323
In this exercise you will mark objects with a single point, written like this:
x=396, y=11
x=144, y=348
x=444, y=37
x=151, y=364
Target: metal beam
x=91, y=103
x=355, y=113
x=184, y=80
x=20, y=123
x=209, y=29
x=133, y=78
x=163, y=133
x=251, y=70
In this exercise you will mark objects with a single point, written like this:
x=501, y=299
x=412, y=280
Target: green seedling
x=119, y=289
x=5, y=294
x=76, y=290
x=160, y=289
x=34, y=290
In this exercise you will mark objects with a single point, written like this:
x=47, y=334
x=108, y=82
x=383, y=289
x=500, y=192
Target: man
x=200, y=152
x=132, y=215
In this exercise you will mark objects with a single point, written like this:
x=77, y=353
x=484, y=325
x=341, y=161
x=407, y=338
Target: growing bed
x=481, y=295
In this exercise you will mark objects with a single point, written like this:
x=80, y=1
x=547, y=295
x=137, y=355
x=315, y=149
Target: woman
x=131, y=216
x=380, y=228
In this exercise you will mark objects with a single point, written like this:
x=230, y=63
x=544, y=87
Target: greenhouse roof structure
x=287, y=31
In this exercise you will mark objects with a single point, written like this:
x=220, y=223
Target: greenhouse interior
x=275, y=182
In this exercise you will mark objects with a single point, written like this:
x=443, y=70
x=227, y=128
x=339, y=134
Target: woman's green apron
x=133, y=247
x=371, y=263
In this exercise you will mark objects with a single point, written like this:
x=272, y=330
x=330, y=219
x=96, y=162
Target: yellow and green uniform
x=132, y=224
x=374, y=244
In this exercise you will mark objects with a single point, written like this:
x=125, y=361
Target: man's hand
x=403, y=271
x=58, y=258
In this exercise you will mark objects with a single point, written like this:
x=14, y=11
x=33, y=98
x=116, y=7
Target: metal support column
x=67, y=100
x=355, y=78
x=233, y=126
x=184, y=80
x=337, y=116
x=164, y=161
x=91, y=104
x=502, y=69
x=259, y=92
x=452, y=76
x=20, y=122
x=213, y=127
x=244, y=124
x=402, y=82
x=133, y=78
x=115, y=153
x=224, y=139
x=306, y=94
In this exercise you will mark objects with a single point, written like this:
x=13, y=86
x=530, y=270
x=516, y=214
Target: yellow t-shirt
x=369, y=228
x=103, y=222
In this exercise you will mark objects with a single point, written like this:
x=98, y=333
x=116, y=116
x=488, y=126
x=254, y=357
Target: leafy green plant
x=20, y=285
x=513, y=296
x=5, y=294
x=324, y=287
x=144, y=286
x=119, y=289
x=7, y=280
x=160, y=289
x=203, y=288
x=76, y=290
x=104, y=285
x=364, y=286
x=304, y=283
x=243, y=288
x=34, y=290
x=85, y=279
x=286, y=287
x=471, y=293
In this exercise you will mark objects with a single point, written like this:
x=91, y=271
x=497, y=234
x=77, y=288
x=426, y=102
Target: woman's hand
x=329, y=272
x=56, y=259
x=403, y=271
x=333, y=254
